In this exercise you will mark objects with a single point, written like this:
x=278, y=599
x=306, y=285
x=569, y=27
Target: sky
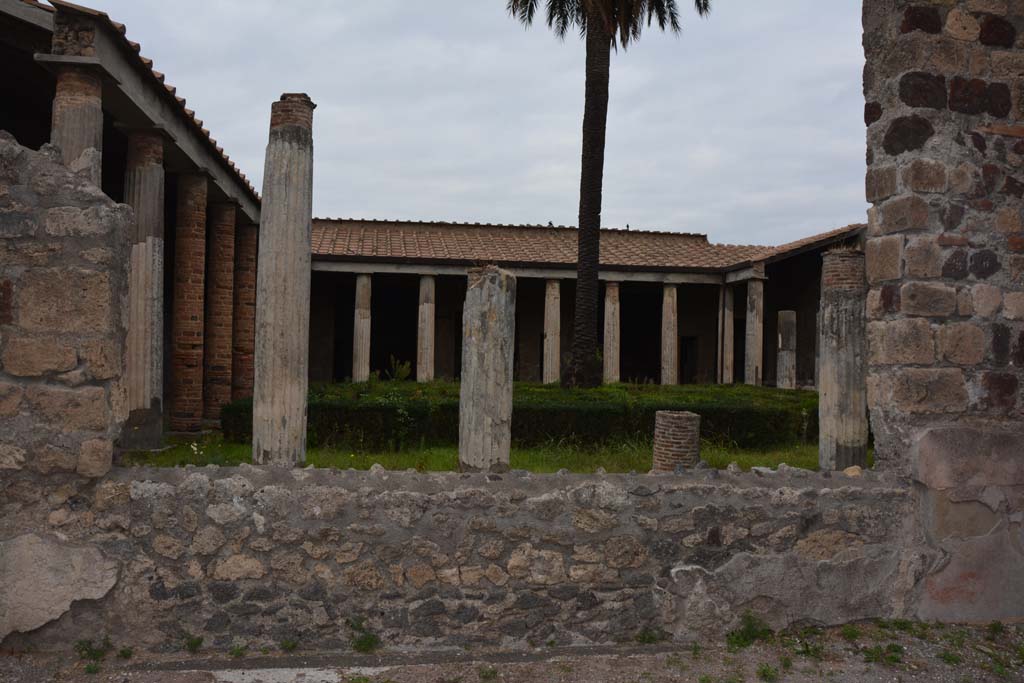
x=748, y=126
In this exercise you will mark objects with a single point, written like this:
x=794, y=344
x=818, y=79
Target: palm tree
x=605, y=24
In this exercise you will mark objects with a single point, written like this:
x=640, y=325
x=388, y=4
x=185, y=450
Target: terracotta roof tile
x=821, y=239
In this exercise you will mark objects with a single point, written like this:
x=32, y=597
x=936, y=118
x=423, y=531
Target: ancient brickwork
x=243, y=337
x=217, y=354
x=945, y=259
x=676, y=440
x=63, y=273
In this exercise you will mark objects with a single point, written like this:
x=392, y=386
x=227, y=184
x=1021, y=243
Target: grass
x=767, y=673
x=751, y=630
x=211, y=449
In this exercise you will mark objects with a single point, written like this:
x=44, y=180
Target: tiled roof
x=145, y=64
x=468, y=243
x=819, y=240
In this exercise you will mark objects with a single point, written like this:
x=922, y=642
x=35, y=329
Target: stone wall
x=258, y=555
x=944, y=85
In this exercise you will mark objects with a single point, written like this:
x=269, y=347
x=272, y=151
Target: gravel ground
x=864, y=653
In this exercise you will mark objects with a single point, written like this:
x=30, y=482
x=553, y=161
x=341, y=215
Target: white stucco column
x=425, y=331
x=670, y=335
x=612, y=334
x=728, y=338
x=552, y=332
x=754, y=371
x=361, y=330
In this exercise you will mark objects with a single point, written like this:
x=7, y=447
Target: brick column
x=612, y=333
x=754, y=355
x=669, y=335
x=144, y=192
x=728, y=335
x=553, y=332
x=361, y=329
x=187, y=315
x=676, y=440
x=243, y=318
x=842, y=405
x=785, y=366
x=217, y=354
x=77, y=125
x=425, y=331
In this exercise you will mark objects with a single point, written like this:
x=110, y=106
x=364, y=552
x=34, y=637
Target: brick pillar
x=754, y=355
x=842, y=405
x=669, y=335
x=676, y=440
x=785, y=366
x=553, y=332
x=425, y=331
x=612, y=333
x=728, y=338
x=187, y=316
x=77, y=125
x=361, y=329
x=144, y=192
x=217, y=354
x=243, y=318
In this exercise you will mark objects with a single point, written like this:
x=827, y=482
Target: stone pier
x=283, y=286
x=670, y=335
x=785, y=367
x=728, y=332
x=553, y=332
x=612, y=334
x=754, y=371
x=488, y=345
x=842, y=411
x=187, y=315
x=425, y=330
x=361, y=330
x=217, y=357
x=77, y=126
x=243, y=317
x=144, y=192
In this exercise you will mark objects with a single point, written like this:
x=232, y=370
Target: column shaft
x=361, y=330
x=243, y=318
x=280, y=391
x=77, y=125
x=785, y=367
x=669, y=335
x=425, y=331
x=187, y=316
x=217, y=356
x=612, y=334
x=754, y=371
x=553, y=332
x=728, y=335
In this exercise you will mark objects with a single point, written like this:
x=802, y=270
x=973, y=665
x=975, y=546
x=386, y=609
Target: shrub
x=751, y=630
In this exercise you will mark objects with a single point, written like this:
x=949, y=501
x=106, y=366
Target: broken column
x=785, y=367
x=676, y=440
x=283, y=286
x=77, y=126
x=754, y=355
x=217, y=357
x=361, y=330
x=425, y=331
x=669, y=335
x=552, y=332
x=243, y=317
x=612, y=334
x=842, y=411
x=488, y=344
x=144, y=192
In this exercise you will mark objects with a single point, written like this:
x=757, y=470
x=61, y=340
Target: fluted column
x=728, y=332
x=612, y=334
x=361, y=329
x=243, y=317
x=785, y=366
x=553, y=332
x=77, y=124
x=425, y=331
x=754, y=371
x=144, y=192
x=217, y=356
x=669, y=335
x=187, y=316
x=283, y=286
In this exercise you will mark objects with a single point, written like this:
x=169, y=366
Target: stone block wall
x=944, y=85
x=63, y=281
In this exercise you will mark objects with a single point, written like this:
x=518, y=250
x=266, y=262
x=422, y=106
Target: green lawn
x=624, y=457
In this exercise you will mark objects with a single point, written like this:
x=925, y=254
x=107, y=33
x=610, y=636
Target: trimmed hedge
x=379, y=416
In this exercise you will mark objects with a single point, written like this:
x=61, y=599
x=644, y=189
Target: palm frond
x=622, y=20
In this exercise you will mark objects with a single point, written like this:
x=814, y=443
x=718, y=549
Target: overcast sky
x=748, y=126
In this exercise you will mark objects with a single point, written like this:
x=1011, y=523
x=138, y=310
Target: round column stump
x=676, y=440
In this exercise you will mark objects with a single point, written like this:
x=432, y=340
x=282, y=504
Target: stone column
x=144, y=192
x=676, y=440
x=361, y=330
x=187, y=315
x=669, y=335
x=243, y=317
x=283, y=286
x=488, y=344
x=77, y=125
x=728, y=335
x=754, y=355
x=425, y=332
x=220, y=299
x=785, y=367
x=612, y=334
x=842, y=390
x=553, y=332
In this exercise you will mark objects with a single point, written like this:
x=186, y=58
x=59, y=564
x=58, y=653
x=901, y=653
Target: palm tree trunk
x=585, y=366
